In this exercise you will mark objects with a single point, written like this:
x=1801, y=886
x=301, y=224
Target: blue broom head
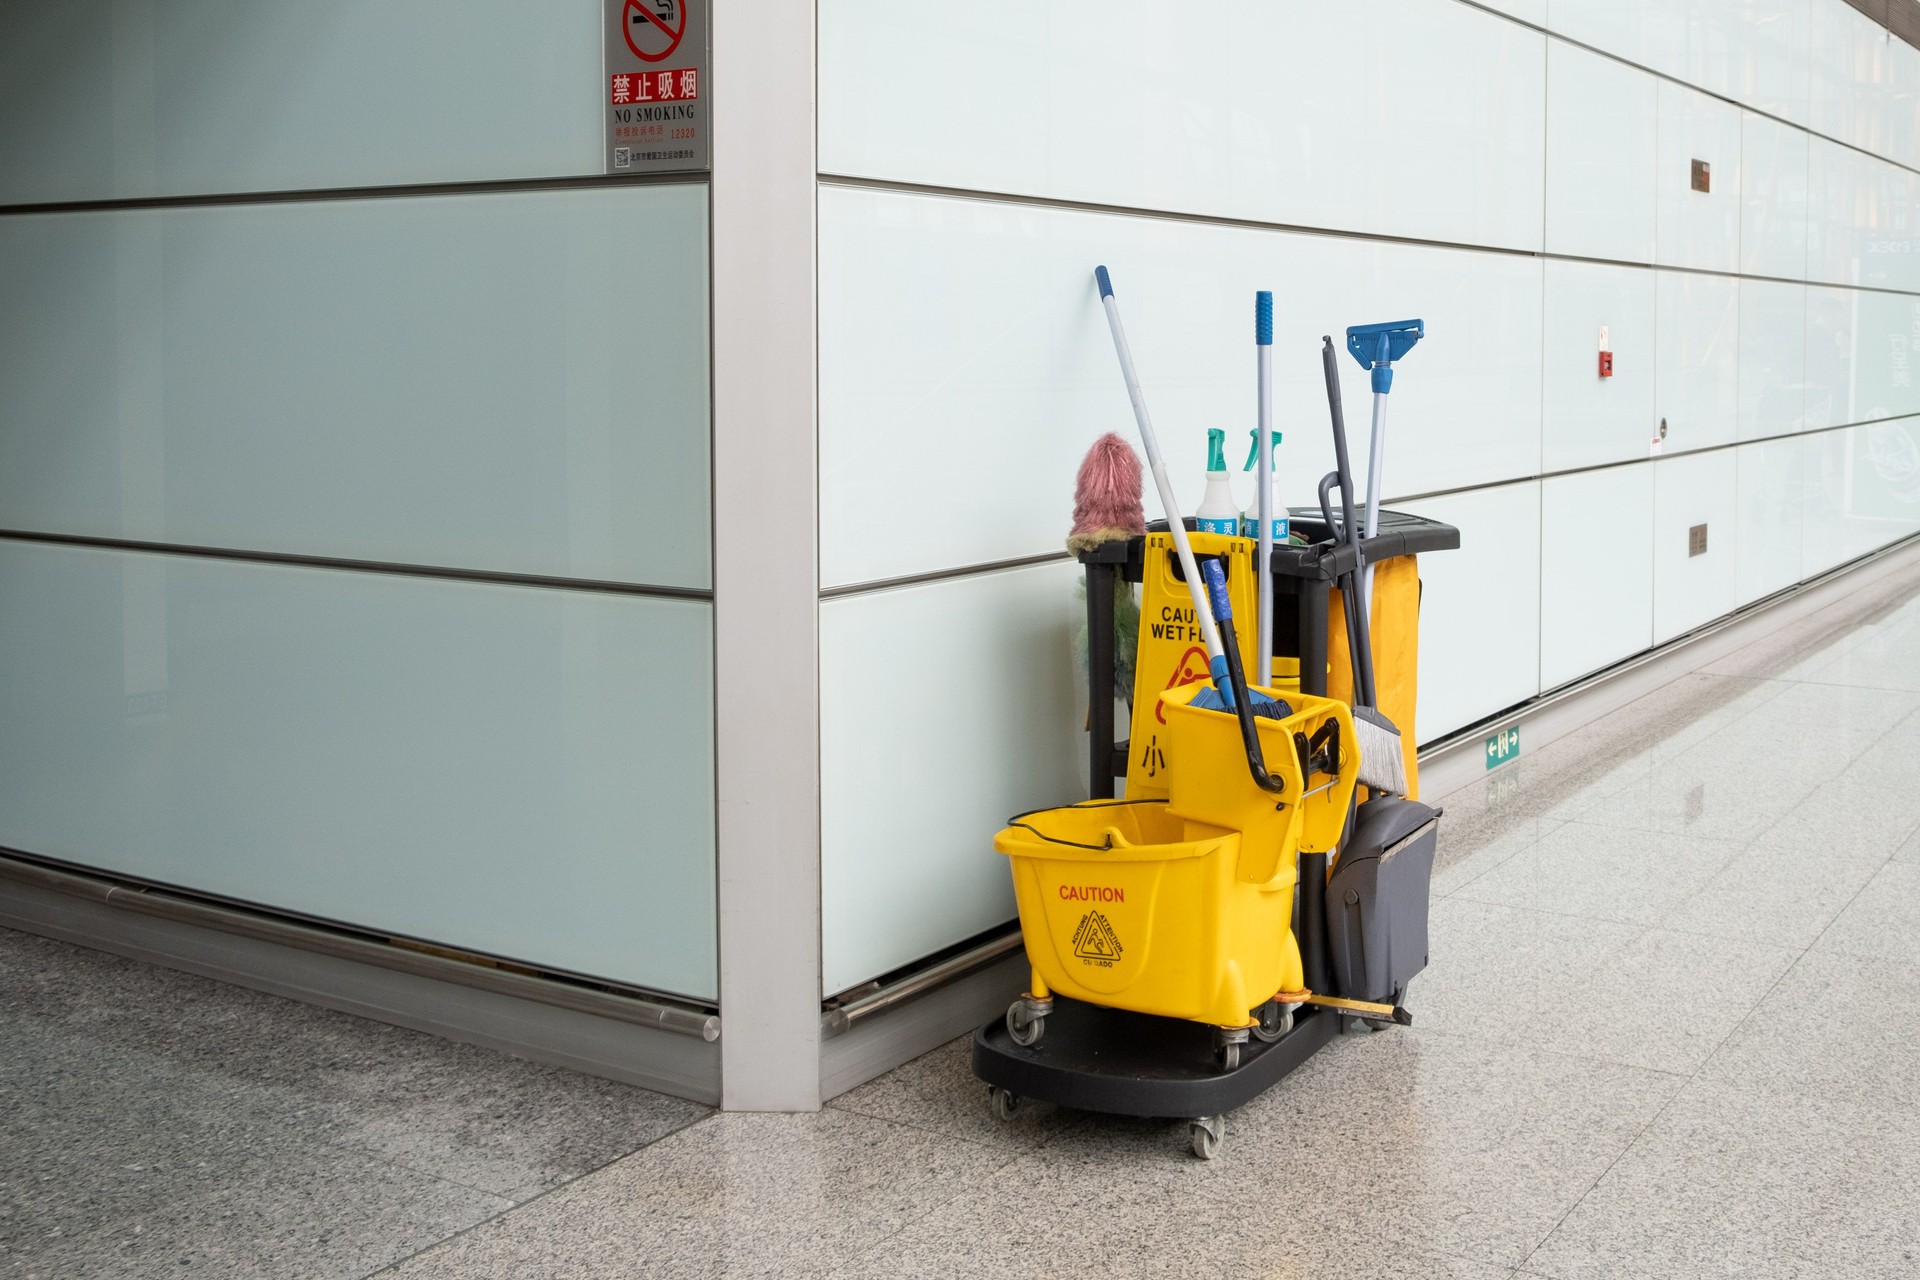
x=1212, y=699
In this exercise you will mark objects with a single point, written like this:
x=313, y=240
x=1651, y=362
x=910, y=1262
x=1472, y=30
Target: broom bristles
x=1382, y=766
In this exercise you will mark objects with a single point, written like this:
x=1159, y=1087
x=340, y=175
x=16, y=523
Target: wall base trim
x=1459, y=760
x=905, y=1031
x=683, y=1065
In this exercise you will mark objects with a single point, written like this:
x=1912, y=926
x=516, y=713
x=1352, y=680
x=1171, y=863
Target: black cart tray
x=1131, y=1064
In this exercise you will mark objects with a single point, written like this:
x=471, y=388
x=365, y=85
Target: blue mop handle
x=1263, y=484
x=1376, y=347
x=1216, y=579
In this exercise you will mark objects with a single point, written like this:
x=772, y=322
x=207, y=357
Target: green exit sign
x=1503, y=746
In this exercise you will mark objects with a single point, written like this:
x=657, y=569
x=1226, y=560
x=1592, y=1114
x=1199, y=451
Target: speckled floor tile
x=1734, y=1184
x=315, y=1212
x=1838, y=1026
x=1589, y=988
x=1882, y=658
x=1465, y=853
x=1437, y=1144
x=939, y=1091
x=736, y=1195
x=1791, y=651
x=1606, y=873
x=1909, y=852
x=1778, y=894
x=993, y=1232
x=301, y=1074
x=1491, y=967
x=1883, y=919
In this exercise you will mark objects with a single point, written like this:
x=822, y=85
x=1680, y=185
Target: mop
x=1223, y=664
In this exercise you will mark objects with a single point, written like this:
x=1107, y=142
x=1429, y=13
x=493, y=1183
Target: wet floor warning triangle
x=1095, y=940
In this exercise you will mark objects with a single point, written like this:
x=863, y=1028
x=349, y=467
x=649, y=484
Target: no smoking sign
x=653, y=85
x=653, y=29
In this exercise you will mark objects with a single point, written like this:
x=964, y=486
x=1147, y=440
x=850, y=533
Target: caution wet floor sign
x=1173, y=650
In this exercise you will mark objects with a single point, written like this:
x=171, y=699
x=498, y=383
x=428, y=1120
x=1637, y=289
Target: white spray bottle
x=1250, y=522
x=1218, y=512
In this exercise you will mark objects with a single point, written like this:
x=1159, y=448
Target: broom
x=1382, y=766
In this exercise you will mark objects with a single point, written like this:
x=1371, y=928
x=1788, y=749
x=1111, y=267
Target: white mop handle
x=1263, y=481
x=1181, y=546
x=1376, y=462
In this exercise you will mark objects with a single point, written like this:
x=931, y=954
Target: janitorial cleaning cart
x=1260, y=884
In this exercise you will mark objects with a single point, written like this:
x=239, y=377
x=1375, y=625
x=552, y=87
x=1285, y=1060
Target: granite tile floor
x=1667, y=1032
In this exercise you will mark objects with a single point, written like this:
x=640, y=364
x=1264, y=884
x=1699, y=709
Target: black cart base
x=1132, y=1064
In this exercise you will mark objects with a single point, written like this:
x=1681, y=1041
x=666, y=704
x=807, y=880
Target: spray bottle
x=1250, y=522
x=1218, y=513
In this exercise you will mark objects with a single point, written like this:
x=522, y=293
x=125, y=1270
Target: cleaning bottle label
x=1217, y=524
x=1250, y=528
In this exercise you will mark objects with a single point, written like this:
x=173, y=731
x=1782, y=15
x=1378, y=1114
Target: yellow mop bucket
x=1146, y=905
x=1211, y=783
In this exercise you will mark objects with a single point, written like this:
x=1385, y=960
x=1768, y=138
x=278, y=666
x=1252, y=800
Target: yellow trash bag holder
x=1183, y=907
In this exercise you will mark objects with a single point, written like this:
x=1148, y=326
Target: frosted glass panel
x=512, y=770
x=1773, y=358
x=1884, y=352
x=1752, y=51
x=1698, y=368
x=1832, y=346
x=186, y=97
x=1771, y=495
x=1586, y=419
x=1773, y=198
x=1001, y=388
x=1862, y=488
x=912, y=789
x=1263, y=111
x=1690, y=590
x=1698, y=228
x=1865, y=219
x=1479, y=608
x=483, y=381
x=1596, y=570
x=1602, y=127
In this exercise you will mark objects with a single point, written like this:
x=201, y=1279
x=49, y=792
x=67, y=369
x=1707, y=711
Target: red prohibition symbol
x=653, y=27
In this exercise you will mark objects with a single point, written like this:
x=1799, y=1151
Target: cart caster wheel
x=1227, y=1042
x=1271, y=1021
x=1025, y=1023
x=1205, y=1135
x=1351, y=1026
x=1003, y=1101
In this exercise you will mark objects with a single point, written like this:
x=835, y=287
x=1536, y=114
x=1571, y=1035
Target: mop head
x=1212, y=699
x=1106, y=496
x=1382, y=766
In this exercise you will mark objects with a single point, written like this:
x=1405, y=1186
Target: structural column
x=766, y=570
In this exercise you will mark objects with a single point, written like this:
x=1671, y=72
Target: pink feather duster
x=1106, y=495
